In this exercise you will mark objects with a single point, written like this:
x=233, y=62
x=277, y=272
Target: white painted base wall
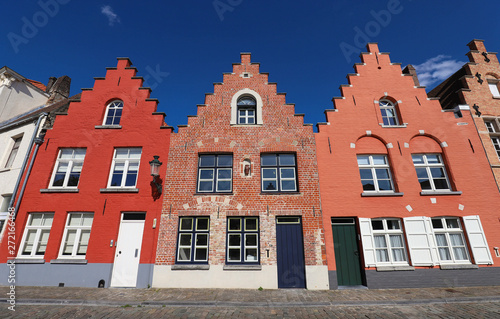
x=217, y=277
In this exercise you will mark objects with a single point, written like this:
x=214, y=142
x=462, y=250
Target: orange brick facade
x=277, y=130
x=82, y=128
x=354, y=130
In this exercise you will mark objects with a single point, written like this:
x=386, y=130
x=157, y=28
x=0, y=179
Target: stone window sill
x=280, y=193
x=393, y=126
x=242, y=267
x=213, y=194
x=29, y=261
x=59, y=190
x=434, y=193
x=395, y=268
x=375, y=194
x=246, y=125
x=69, y=261
x=190, y=267
x=108, y=126
x=458, y=266
x=119, y=190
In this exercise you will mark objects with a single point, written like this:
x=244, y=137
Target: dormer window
x=246, y=110
x=113, y=113
x=389, y=113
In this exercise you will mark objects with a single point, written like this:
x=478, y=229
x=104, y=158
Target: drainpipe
x=23, y=167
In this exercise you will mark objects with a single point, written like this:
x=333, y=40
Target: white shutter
x=477, y=240
x=420, y=239
x=365, y=227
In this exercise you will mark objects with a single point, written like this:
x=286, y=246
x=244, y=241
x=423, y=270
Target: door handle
x=356, y=253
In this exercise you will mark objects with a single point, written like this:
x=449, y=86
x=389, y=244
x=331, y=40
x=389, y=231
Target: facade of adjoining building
x=89, y=216
x=22, y=103
x=242, y=207
x=408, y=196
x=477, y=84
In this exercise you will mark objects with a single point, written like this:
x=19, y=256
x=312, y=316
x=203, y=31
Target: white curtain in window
x=397, y=247
x=382, y=255
x=456, y=240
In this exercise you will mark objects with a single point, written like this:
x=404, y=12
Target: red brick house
x=242, y=208
x=476, y=84
x=408, y=197
x=89, y=216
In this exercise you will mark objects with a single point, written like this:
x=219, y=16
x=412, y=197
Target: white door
x=128, y=251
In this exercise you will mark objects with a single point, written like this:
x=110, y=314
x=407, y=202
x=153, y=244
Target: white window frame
x=388, y=106
x=493, y=86
x=428, y=166
x=193, y=234
x=447, y=231
x=278, y=173
x=126, y=161
x=243, y=232
x=387, y=234
x=373, y=168
x=114, y=106
x=38, y=232
x=77, y=241
x=14, y=150
x=492, y=127
x=246, y=108
x=71, y=164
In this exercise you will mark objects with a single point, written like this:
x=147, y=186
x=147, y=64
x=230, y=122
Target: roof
x=39, y=85
x=446, y=91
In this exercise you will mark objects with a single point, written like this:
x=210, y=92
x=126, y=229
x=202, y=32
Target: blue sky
x=183, y=47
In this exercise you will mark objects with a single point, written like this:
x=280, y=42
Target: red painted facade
x=356, y=127
x=83, y=128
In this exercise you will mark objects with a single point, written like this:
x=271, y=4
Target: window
x=13, y=152
x=388, y=239
x=431, y=172
x=113, y=113
x=68, y=167
x=243, y=240
x=125, y=167
x=492, y=127
x=389, y=113
x=76, y=235
x=192, y=246
x=215, y=173
x=449, y=239
x=375, y=173
x=246, y=110
x=494, y=89
x=4, y=209
x=279, y=172
x=36, y=234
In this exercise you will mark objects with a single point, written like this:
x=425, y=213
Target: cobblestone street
x=54, y=302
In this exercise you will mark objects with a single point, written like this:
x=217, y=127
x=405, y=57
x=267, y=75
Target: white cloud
x=437, y=69
x=112, y=17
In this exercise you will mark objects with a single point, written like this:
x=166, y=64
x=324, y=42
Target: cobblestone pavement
x=55, y=302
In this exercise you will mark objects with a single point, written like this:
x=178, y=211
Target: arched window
x=389, y=113
x=246, y=110
x=113, y=113
x=493, y=85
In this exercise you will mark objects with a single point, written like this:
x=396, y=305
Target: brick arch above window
x=234, y=105
x=370, y=145
x=424, y=144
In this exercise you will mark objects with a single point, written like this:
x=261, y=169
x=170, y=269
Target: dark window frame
x=215, y=177
x=243, y=247
x=194, y=231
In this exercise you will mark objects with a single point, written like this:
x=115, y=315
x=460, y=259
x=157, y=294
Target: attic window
x=246, y=110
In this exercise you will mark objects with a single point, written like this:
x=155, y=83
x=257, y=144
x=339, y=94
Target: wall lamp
x=155, y=172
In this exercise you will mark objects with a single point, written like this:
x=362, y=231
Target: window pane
x=433, y=159
x=363, y=160
x=233, y=254
x=398, y=255
x=385, y=185
x=380, y=241
x=206, y=186
x=368, y=185
x=251, y=240
x=288, y=185
x=185, y=240
x=460, y=253
x=437, y=224
x=59, y=179
x=202, y=224
x=224, y=173
x=421, y=172
x=234, y=224
x=201, y=254
x=184, y=254
x=201, y=239
x=224, y=186
x=382, y=173
x=379, y=160
x=251, y=120
x=444, y=253
x=452, y=223
x=186, y=223
x=287, y=159
x=206, y=174
x=269, y=173
x=417, y=159
x=396, y=241
x=207, y=161
x=62, y=167
x=268, y=160
x=70, y=242
x=456, y=240
x=44, y=238
x=251, y=224
x=269, y=185
x=437, y=172
x=131, y=178
x=251, y=254
x=84, y=242
x=36, y=219
x=234, y=240
x=377, y=225
x=225, y=160
x=121, y=153
x=30, y=239
x=75, y=220
x=441, y=183
x=365, y=173
x=393, y=224
x=287, y=172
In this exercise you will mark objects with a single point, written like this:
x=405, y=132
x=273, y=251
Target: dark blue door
x=290, y=250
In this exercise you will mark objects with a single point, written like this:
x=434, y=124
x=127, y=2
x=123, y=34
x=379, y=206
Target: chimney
x=51, y=82
x=410, y=69
x=59, y=90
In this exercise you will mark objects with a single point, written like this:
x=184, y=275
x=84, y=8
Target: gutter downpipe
x=23, y=167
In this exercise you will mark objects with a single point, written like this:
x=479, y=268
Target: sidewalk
x=247, y=298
